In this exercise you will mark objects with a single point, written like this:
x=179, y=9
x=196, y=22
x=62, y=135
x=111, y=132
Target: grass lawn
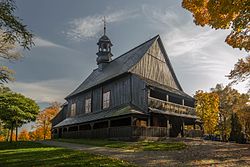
x=136, y=146
x=34, y=154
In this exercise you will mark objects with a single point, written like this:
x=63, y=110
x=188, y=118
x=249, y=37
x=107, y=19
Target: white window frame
x=73, y=109
x=88, y=105
x=106, y=100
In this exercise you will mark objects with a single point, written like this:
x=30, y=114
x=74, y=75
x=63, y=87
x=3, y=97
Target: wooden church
x=136, y=95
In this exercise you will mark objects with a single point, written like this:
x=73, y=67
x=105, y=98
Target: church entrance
x=176, y=127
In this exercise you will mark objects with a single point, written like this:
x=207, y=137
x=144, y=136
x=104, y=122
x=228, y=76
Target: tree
x=236, y=130
x=244, y=117
x=231, y=102
x=12, y=32
x=207, y=108
x=24, y=135
x=241, y=71
x=7, y=52
x=44, y=117
x=16, y=109
x=4, y=89
x=13, y=28
x=226, y=14
x=37, y=134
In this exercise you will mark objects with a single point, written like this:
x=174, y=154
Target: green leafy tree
x=16, y=109
x=236, y=130
x=226, y=14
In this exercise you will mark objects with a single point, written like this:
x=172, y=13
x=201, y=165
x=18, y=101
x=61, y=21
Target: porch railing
x=171, y=107
x=119, y=132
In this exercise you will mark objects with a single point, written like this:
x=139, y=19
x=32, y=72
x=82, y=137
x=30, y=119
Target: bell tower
x=104, y=49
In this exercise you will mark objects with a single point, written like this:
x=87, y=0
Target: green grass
x=136, y=146
x=34, y=154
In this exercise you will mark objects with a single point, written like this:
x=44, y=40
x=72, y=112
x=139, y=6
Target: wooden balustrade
x=116, y=132
x=168, y=106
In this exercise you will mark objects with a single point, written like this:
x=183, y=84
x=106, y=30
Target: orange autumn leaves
x=223, y=14
x=43, y=124
x=42, y=127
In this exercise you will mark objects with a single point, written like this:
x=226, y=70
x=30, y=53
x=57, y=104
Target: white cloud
x=44, y=91
x=90, y=26
x=197, y=52
x=39, y=42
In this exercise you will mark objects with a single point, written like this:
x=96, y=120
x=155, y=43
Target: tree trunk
x=16, y=132
x=8, y=134
x=11, y=132
x=44, y=130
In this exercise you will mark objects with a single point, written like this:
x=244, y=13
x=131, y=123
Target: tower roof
x=104, y=39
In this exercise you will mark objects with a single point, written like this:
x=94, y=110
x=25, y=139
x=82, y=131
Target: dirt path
x=198, y=153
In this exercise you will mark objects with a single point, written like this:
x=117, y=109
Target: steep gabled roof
x=116, y=67
x=124, y=64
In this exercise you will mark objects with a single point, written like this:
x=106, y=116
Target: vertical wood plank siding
x=120, y=94
x=139, y=93
x=153, y=66
x=96, y=99
x=60, y=116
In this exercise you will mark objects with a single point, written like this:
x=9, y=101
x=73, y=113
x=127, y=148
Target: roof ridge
x=157, y=36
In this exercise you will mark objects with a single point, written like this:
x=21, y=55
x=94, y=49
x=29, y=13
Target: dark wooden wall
x=120, y=94
x=139, y=92
x=60, y=116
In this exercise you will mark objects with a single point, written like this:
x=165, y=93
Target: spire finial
x=104, y=24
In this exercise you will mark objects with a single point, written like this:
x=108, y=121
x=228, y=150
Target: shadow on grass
x=20, y=144
x=40, y=155
x=136, y=146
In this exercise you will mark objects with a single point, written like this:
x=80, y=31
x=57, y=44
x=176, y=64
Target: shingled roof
x=119, y=66
x=116, y=67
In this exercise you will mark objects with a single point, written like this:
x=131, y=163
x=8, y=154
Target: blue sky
x=66, y=33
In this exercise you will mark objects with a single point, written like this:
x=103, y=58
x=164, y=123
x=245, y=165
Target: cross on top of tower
x=104, y=25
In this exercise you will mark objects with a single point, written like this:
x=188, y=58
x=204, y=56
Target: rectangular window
x=73, y=109
x=88, y=105
x=106, y=100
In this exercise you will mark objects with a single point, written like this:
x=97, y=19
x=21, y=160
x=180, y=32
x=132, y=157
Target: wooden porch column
x=182, y=129
x=149, y=120
x=91, y=125
x=108, y=123
x=168, y=128
x=108, y=131
x=183, y=102
x=167, y=98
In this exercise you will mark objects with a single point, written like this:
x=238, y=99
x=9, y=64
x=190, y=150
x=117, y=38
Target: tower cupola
x=104, y=50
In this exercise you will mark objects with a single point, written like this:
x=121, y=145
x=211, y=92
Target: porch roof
x=127, y=110
x=154, y=110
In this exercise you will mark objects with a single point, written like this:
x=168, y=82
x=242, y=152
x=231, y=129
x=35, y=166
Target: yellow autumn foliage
x=207, y=108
